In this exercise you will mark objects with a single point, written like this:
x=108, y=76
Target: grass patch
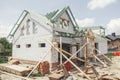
x=37, y=75
x=3, y=59
x=110, y=55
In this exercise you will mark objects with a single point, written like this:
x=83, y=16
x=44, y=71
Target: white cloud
x=113, y=26
x=4, y=30
x=94, y=4
x=85, y=22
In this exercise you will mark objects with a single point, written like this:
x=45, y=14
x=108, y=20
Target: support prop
x=68, y=59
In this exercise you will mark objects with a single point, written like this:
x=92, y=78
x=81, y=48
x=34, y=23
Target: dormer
x=63, y=20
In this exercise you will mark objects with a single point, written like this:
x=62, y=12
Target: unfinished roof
x=47, y=19
x=37, y=17
x=101, y=37
x=51, y=14
x=57, y=13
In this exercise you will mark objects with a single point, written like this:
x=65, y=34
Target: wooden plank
x=76, y=52
x=57, y=71
x=70, y=54
x=100, y=61
x=3, y=72
x=55, y=76
x=95, y=71
x=86, y=53
x=15, y=69
x=107, y=58
x=90, y=75
x=108, y=78
x=65, y=71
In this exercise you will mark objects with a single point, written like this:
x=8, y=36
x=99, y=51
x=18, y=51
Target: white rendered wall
x=35, y=52
x=102, y=45
x=69, y=29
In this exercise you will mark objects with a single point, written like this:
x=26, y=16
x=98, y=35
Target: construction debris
x=10, y=76
x=94, y=67
x=15, y=69
x=16, y=62
x=55, y=76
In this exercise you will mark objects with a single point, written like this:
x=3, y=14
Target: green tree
x=5, y=46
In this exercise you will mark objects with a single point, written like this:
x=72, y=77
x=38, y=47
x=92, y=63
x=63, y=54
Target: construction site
x=54, y=47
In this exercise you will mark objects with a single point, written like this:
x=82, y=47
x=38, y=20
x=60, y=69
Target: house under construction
x=55, y=41
x=33, y=33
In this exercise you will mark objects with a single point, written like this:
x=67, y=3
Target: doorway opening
x=66, y=47
x=96, y=46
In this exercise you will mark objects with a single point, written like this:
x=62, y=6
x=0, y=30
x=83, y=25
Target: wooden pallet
x=15, y=69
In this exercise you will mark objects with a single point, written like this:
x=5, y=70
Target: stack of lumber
x=15, y=69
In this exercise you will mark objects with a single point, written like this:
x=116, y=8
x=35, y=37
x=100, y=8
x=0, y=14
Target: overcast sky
x=87, y=12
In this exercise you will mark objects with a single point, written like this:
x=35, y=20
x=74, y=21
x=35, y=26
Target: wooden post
x=71, y=62
x=86, y=52
x=60, y=50
x=93, y=47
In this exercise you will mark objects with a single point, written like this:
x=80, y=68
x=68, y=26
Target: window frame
x=28, y=45
x=41, y=45
x=28, y=27
x=22, y=31
x=34, y=27
x=18, y=46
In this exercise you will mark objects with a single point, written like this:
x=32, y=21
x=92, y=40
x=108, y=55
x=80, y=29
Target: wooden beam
x=15, y=69
x=15, y=75
x=100, y=61
x=33, y=69
x=70, y=61
x=107, y=58
x=86, y=53
x=104, y=55
x=76, y=52
x=70, y=54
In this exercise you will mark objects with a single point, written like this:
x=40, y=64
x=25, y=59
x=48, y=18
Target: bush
x=3, y=59
x=37, y=74
x=5, y=46
x=110, y=55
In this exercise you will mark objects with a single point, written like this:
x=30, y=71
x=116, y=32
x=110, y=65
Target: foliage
x=5, y=46
x=110, y=55
x=3, y=59
x=37, y=74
